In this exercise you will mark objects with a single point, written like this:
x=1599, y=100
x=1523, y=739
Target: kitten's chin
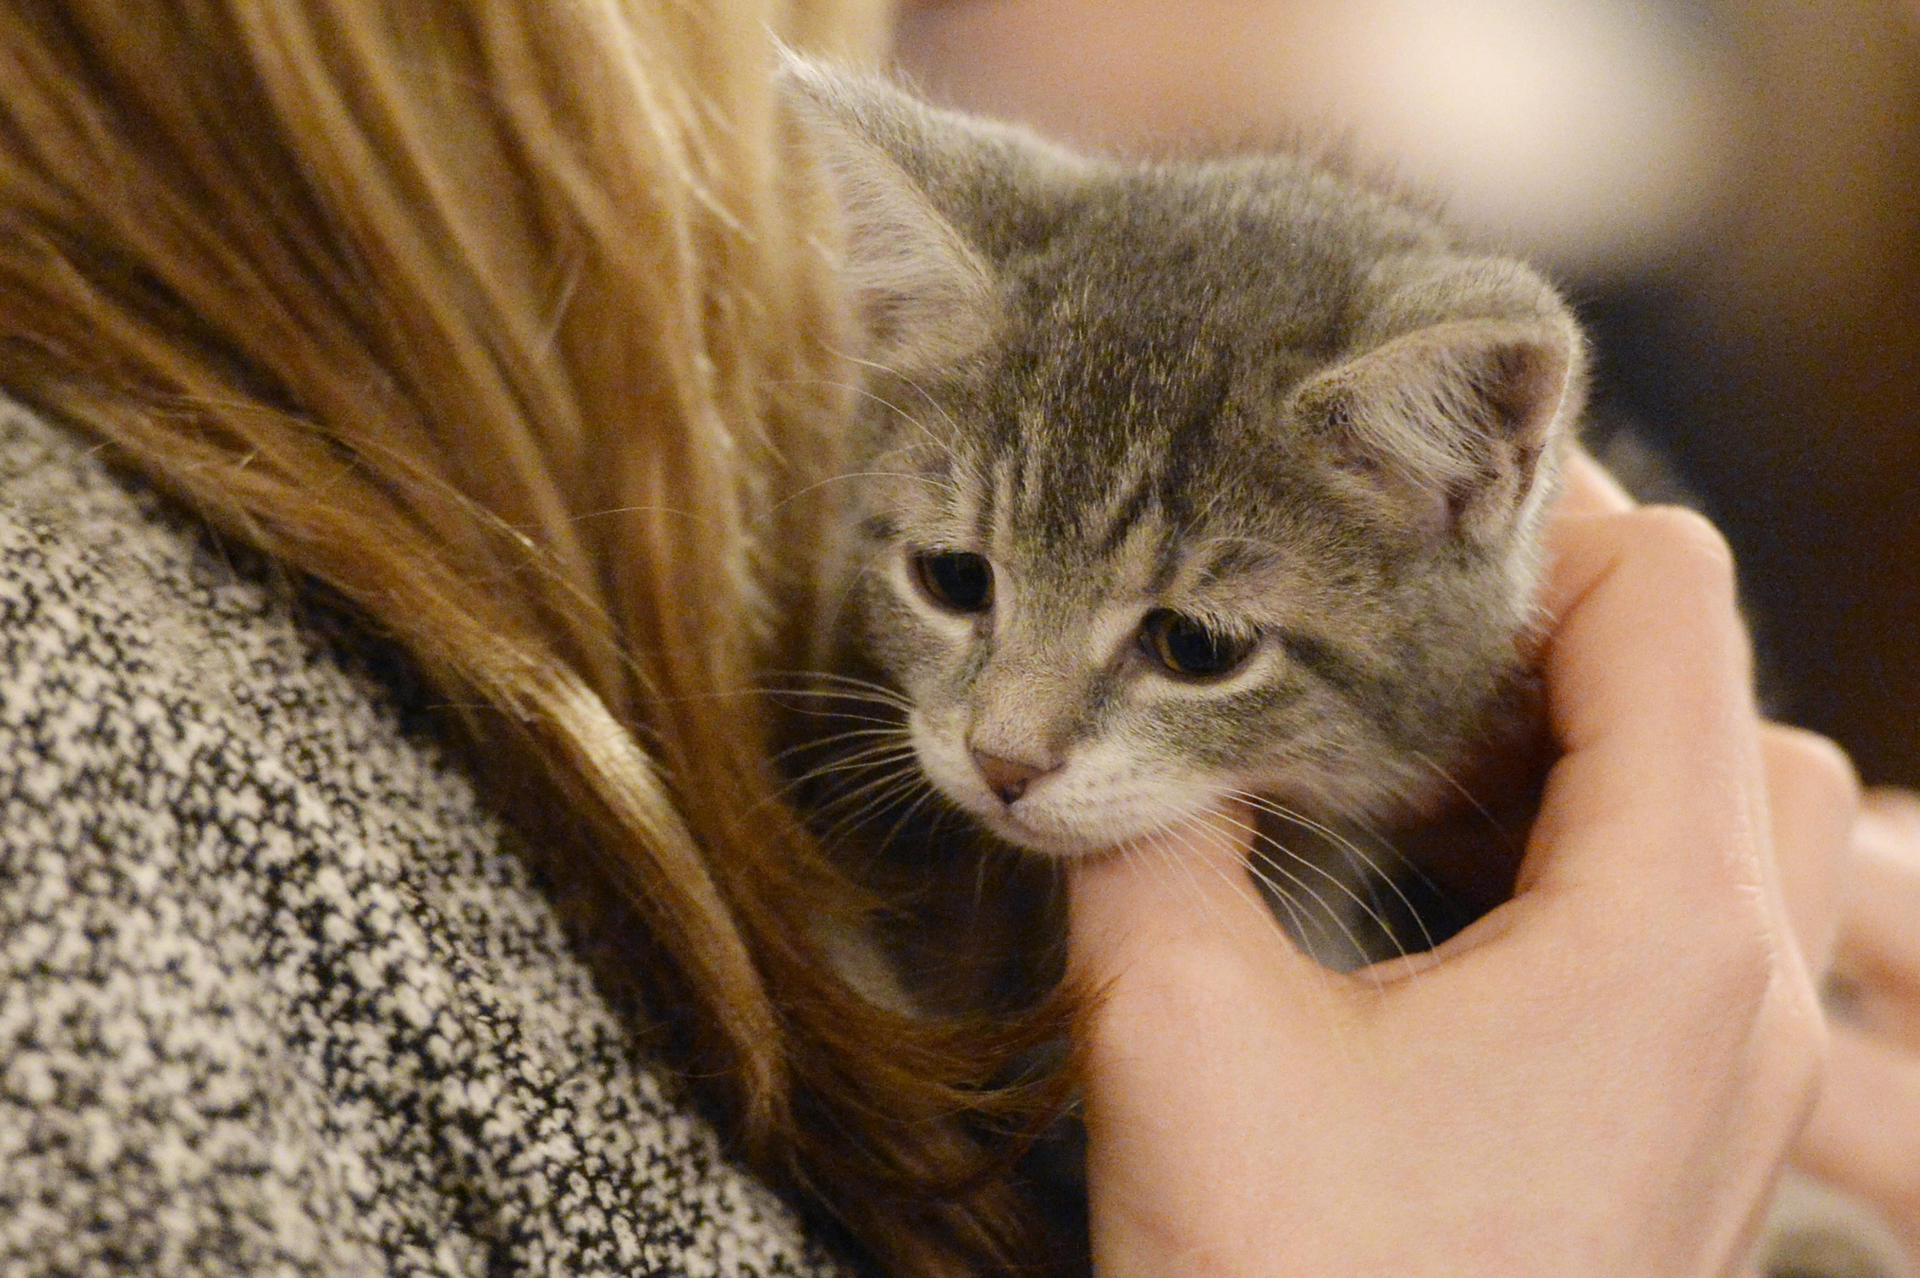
x=1059, y=845
x=1061, y=838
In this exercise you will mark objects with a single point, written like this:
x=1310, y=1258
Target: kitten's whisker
x=881, y=760
x=1273, y=807
x=889, y=773
x=878, y=801
x=1199, y=826
x=1369, y=906
x=858, y=729
x=848, y=476
x=1369, y=909
x=1293, y=907
x=909, y=382
x=1345, y=889
x=876, y=754
x=811, y=675
x=865, y=391
x=894, y=770
x=929, y=441
x=853, y=726
x=1299, y=922
x=1404, y=864
x=829, y=748
x=876, y=726
x=828, y=685
x=945, y=816
x=1260, y=857
x=1349, y=848
x=714, y=694
x=980, y=867
x=927, y=795
x=792, y=698
x=1473, y=801
x=1293, y=893
x=1162, y=866
x=1188, y=880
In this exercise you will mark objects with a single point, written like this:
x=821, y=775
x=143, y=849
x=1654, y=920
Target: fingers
x=1891, y=819
x=1648, y=678
x=1877, y=965
x=1603, y=549
x=1861, y=1136
x=1587, y=489
x=1814, y=797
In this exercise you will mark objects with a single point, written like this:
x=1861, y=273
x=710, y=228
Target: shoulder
x=120, y=627
x=276, y=991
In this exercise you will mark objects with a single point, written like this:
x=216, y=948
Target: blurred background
x=1729, y=191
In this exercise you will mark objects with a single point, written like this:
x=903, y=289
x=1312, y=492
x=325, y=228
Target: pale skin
x=1603, y=1076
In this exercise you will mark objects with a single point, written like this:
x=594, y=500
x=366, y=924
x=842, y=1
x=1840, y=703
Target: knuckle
x=1819, y=761
x=1806, y=1040
x=1689, y=536
x=1745, y=962
x=1793, y=1045
x=1747, y=972
x=1730, y=959
x=1761, y=994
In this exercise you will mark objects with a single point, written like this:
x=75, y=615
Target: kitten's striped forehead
x=1119, y=539
x=1101, y=435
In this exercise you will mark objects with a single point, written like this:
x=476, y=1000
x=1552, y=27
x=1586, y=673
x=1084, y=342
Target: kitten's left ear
x=923, y=294
x=1450, y=423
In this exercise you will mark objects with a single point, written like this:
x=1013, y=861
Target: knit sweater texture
x=277, y=996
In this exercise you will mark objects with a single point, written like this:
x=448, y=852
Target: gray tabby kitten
x=1181, y=481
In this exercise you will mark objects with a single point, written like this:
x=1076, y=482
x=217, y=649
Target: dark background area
x=1777, y=353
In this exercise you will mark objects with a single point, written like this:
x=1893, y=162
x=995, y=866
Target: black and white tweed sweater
x=275, y=995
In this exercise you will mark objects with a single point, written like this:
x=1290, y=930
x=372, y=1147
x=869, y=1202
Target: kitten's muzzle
x=1009, y=778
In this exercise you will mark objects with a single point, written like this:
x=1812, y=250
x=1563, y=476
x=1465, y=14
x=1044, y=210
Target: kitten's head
x=1177, y=481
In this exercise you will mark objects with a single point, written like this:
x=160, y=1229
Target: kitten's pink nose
x=1008, y=778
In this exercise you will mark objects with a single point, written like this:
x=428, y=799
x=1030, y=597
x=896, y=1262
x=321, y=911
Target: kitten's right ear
x=1455, y=423
x=924, y=296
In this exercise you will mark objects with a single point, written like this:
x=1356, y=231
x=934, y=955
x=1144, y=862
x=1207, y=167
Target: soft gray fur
x=1247, y=393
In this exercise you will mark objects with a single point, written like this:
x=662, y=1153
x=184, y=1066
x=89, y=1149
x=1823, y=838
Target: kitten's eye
x=1187, y=648
x=955, y=579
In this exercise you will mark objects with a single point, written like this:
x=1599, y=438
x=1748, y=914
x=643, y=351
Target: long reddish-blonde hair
x=509, y=322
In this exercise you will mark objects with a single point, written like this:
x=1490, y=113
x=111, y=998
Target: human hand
x=1864, y=1137
x=1601, y=1076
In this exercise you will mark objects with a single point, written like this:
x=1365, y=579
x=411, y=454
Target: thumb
x=1199, y=1005
x=1178, y=906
